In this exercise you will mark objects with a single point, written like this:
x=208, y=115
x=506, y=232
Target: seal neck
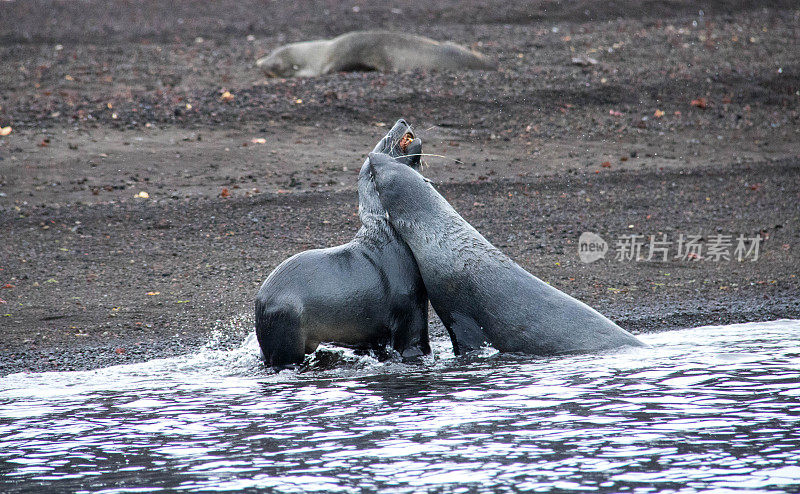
x=370, y=210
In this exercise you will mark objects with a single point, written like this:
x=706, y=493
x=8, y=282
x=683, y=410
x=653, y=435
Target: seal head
x=278, y=64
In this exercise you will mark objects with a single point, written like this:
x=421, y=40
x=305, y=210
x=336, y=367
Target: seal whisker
x=434, y=155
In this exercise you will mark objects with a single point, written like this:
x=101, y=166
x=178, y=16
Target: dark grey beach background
x=687, y=124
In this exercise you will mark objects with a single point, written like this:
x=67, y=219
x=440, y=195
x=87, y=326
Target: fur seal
x=479, y=293
x=366, y=293
x=383, y=51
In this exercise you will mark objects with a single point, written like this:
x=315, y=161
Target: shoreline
x=152, y=279
x=687, y=124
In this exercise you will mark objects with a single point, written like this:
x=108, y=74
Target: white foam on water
x=225, y=368
x=241, y=367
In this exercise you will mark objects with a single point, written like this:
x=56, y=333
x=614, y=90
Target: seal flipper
x=466, y=333
x=279, y=335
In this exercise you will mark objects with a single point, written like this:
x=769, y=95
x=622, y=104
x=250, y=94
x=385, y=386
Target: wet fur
x=480, y=294
x=366, y=293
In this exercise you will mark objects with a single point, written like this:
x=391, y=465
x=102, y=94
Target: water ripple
x=702, y=409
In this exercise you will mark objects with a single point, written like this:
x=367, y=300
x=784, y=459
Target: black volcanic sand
x=110, y=99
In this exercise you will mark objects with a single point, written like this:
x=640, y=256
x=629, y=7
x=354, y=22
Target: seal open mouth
x=400, y=144
x=398, y=138
x=407, y=139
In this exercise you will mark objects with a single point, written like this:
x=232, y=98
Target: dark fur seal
x=383, y=51
x=480, y=294
x=366, y=293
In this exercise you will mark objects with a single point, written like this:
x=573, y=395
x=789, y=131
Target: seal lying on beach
x=366, y=293
x=370, y=50
x=479, y=293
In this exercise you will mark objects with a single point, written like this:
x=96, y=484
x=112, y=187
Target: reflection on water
x=713, y=408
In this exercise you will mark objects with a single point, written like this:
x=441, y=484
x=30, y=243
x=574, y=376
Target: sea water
x=709, y=409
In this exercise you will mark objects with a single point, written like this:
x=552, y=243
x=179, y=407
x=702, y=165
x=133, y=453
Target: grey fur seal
x=366, y=293
x=479, y=293
x=383, y=51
